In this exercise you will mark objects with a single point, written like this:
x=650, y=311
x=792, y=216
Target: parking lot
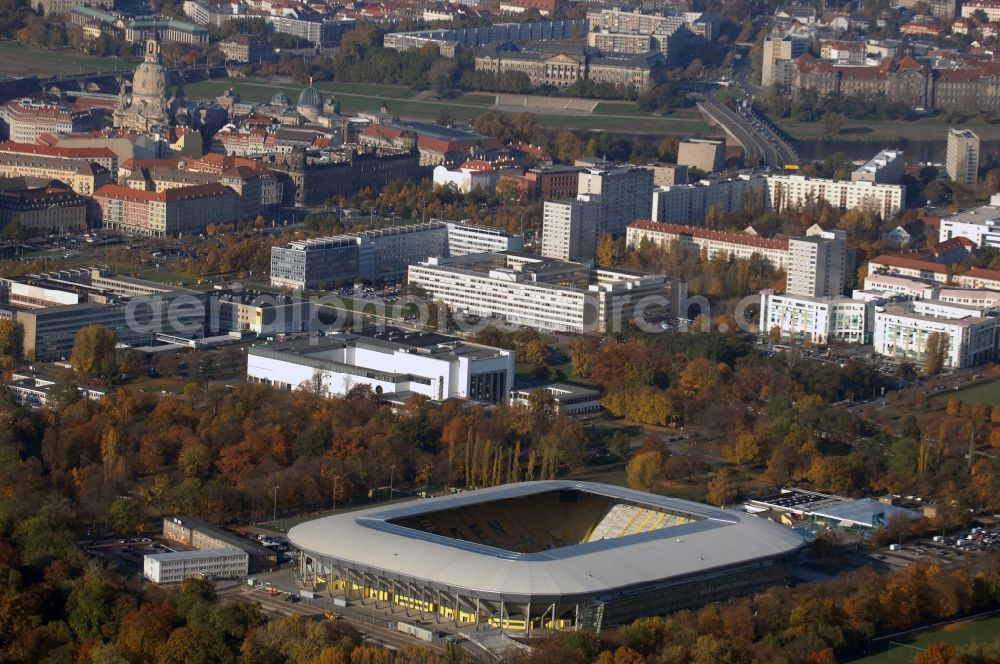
x=939, y=549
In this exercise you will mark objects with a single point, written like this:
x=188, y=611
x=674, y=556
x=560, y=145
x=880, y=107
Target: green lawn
x=355, y=97
x=986, y=393
x=904, y=648
x=19, y=60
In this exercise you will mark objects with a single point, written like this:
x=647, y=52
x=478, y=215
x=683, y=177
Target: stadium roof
x=718, y=539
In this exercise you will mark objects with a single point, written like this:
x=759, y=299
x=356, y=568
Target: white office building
x=884, y=168
x=174, y=567
x=569, y=230
x=395, y=363
x=820, y=320
x=542, y=294
x=465, y=239
x=816, y=264
x=901, y=332
x=794, y=191
x=980, y=225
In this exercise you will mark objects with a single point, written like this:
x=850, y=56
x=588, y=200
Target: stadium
x=549, y=554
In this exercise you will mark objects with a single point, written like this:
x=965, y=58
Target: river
x=916, y=151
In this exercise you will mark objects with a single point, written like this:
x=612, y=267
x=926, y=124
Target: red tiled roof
x=721, y=236
x=168, y=196
x=55, y=151
x=982, y=273
x=908, y=263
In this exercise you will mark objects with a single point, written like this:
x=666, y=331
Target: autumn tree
x=645, y=470
x=606, y=250
x=723, y=488
x=582, y=350
x=9, y=341
x=936, y=353
x=94, y=351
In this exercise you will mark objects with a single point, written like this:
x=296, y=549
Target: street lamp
x=274, y=516
x=392, y=472
x=335, y=478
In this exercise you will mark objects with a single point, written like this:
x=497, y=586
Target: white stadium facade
x=549, y=554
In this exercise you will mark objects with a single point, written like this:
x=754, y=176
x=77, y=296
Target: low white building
x=820, y=320
x=465, y=239
x=909, y=267
x=467, y=177
x=980, y=225
x=174, y=567
x=395, y=363
x=884, y=168
x=901, y=332
x=567, y=398
x=917, y=289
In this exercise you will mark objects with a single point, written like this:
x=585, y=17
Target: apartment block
x=793, y=191
x=169, y=212
x=779, y=54
x=962, y=156
x=714, y=243
x=625, y=193
x=816, y=264
x=667, y=175
x=569, y=230
x=689, y=203
x=542, y=294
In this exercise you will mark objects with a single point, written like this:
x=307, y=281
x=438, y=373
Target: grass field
x=355, y=97
x=19, y=60
x=986, y=393
x=966, y=632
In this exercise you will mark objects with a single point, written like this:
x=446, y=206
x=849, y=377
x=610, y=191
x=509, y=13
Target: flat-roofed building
x=884, y=168
x=543, y=294
x=569, y=230
x=979, y=224
x=817, y=264
x=380, y=255
x=567, y=398
x=819, y=320
x=705, y=154
x=203, y=536
x=962, y=156
x=175, y=566
x=968, y=335
x=690, y=203
x=395, y=363
x=795, y=191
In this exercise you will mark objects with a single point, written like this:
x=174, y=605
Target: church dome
x=280, y=100
x=310, y=99
x=150, y=79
